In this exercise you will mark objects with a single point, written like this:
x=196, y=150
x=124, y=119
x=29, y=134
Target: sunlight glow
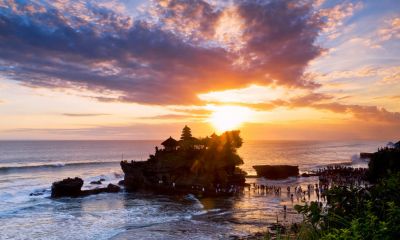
x=227, y=118
x=251, y=94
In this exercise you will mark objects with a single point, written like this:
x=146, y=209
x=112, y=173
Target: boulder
x=276, y=171
x=37, y=193
x=69, y=187
x=96, y=182
x=111, y=188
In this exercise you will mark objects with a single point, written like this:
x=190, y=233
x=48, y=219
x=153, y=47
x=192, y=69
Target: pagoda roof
x=170, y=142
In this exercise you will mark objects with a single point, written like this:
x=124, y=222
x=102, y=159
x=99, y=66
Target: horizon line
x=309, y=140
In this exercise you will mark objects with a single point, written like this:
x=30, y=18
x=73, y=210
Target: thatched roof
x=170, y=142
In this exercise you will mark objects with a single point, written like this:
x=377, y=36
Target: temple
x=170, y=144
x=190, y=165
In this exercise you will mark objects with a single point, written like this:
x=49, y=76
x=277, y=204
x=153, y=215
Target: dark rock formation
x=71, y=187
x=276, y=171
x=384, y=162
x=38, y=193
x=122, y=183
x=199, y=166
x=96, y=182
x=111, y=188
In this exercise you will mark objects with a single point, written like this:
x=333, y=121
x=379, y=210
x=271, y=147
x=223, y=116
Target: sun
x=225, y=118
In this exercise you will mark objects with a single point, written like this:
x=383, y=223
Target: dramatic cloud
x=367, y=113
x=327, y=102
x=86, y=45
x=194, y=20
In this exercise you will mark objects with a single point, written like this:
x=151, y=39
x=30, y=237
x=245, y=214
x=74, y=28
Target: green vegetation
x=359, y=212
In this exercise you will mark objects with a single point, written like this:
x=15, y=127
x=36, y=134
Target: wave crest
x=53, y=165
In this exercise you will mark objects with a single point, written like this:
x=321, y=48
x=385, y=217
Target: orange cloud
x=164, y=60
x=383, y=74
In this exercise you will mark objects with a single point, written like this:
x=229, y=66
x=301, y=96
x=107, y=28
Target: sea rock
x=38, y=193
x=69, y=187
x=121, y=183
x=111, y=188
x=96, y=182
x=276, y=171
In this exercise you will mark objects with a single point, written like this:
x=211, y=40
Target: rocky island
x=201, y=166
x=276, y=171
x=71, y=187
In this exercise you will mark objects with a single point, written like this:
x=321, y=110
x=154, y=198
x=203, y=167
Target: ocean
x=28, y=168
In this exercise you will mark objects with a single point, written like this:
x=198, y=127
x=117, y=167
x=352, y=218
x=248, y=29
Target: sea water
x=27, y=169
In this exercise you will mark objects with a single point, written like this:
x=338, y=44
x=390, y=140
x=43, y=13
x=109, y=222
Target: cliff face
x=208, y=166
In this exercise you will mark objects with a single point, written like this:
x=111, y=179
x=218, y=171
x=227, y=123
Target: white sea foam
x=28, y=166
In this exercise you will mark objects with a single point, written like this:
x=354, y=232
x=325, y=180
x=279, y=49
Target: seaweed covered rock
x=207, y=164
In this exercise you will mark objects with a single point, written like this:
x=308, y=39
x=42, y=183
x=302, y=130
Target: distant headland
x=201, y=166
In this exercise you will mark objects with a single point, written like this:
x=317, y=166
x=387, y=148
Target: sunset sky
x=133, y=69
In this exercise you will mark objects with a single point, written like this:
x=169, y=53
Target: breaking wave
x=52, y=165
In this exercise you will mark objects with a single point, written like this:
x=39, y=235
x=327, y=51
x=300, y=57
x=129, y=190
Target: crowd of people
x=297, y=191
x=328, y=177
x=339, y=175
